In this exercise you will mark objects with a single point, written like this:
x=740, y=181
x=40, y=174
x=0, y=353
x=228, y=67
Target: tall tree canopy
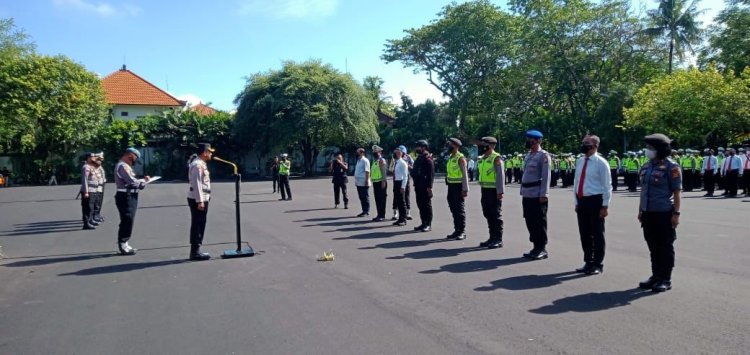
x=306, y=105
x=676, y=22
x=729, y=39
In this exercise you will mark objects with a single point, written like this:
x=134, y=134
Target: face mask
x=485, y=148
x=529, y=144
x=585, y=148
x=651, y=154
x=418, y=150
x=395, y=156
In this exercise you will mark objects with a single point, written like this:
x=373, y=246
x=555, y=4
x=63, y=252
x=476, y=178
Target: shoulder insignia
x=675, y=172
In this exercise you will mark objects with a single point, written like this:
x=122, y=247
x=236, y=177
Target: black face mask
x=585, y=148
x=529, y=144
x=485, y=148
x=395, y=156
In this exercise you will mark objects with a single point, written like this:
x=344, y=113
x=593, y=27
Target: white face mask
x=651, y=154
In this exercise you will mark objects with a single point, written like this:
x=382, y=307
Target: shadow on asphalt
x=111, y=269
x=310, y=210
x=337, y=224
x=357, y=229
x=53, y=200
x=43, y=228
x=324, y=219
x=530, y=282
x=376, y=235
x=436, y=253
x=260, y=201
x=593, y=302
x=162, y=206
x=405, y=244
x=476, y=266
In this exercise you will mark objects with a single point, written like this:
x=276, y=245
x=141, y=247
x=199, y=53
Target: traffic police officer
x=492, y=182
x=688, y=164
x=535, y=193
x=126, y=198
x=615, y=165
x=284, y=167
x=89, y=185
x=458, y=188
x=659, y=210
x=379, y=178
x=198, y=198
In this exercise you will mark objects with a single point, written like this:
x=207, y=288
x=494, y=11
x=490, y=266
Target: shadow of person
x=475, y=266
x=112, y=269
x=375, y=235
x=528, y=282
x=593, y=302
x=47, y=261
x=436, y=253
x=405, y=244
x=337, y=223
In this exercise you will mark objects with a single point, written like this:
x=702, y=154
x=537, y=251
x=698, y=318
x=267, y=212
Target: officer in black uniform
x=492, y=181
x=423, y=174
x=659, y=210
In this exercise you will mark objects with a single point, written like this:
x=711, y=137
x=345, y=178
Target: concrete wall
x=137, y=111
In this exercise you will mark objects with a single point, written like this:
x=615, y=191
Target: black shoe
x=425, y=229
x=419, y=228
x=461, y=236
x=200, y=256
x=88, y=227
x=289, y=199
x=335, y=206
x=662, y=286
x=495, y=245
x=584, y=269
x=536, y=255
x=452, y=235
x=282, y=199
x=363, y=214
x=485, y=243
x=394, y=218
x=378, y=219
x=595, y=270
x=648, y=284
x=94, y=223
x=346, y=206
x=399, y=223
x=98, y=219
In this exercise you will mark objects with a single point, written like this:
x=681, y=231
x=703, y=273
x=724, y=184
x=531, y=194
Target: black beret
x=455, y=141
x=657, y=139
x=489, y=140
x=422, y=143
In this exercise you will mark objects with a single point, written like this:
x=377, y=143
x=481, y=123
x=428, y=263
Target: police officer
x=709, y=169
x=509, y=163
x=275, y=166
x=745, y=183
x=423, y=175
x=688, y=164
x=285, y=165
x=102, y=176
x=126, y=198
x=89, y=185
x=615, y=165
x=732, y=171
x=338, y=170
x=198, y=198
x=492, y=182
x=458, y=188
x=535, y=193
x=379, y=178
x=407, y=197
x=659, y=210
x=632, y=166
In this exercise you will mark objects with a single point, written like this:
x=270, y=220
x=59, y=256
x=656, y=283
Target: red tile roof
x=124, y=87
x=203, y=110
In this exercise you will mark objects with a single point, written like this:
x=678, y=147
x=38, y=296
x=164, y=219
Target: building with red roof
x=133, y=97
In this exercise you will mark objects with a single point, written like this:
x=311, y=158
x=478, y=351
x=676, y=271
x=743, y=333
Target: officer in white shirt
x=745, y=172
x=592, y=190
x=400, y=183
x=472, y=168
x=362, y=181
x=198, y=197
x=732, y=171
x=709, y=171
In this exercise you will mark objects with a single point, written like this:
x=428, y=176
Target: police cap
x=489, y=140
x=657, y=140
x=455, y=141
x=534, y=134
x=134, y=151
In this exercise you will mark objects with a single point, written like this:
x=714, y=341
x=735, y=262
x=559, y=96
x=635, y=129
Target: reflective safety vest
x=631, y=165
x=613, y=164
x=284, y=167
x=376, y=175
x=564, y=164
x=687, y=163
x=487, y=175
x=455, y=175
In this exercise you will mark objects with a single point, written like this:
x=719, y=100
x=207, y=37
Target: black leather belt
x=204, y=191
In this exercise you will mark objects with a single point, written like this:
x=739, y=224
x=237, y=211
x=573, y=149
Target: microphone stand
x=239, y=252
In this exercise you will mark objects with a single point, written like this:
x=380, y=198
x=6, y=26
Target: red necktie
x=583, y=178
x=709, y=163
x=747, y=160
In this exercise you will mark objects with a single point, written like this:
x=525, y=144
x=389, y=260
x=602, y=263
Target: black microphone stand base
x=243, y=253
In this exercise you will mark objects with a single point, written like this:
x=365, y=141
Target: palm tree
x=677, y=19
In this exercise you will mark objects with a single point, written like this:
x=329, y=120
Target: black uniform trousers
x=424, y=203
x=746, y=182
x=87, y=208
x=197, y=222
x=492, y=210
x=364, y=199
x=286, y=192
x=457, y=207
x=613, y=175
x=407, y=197
x=730, y=182
x=127, y=204
x=508, y=175
x=399, y=198
x=697, y=180
x=98, y=202
x=660, y=237
x=709, y=182
x=339, y=188
x=276, y=184
x=591, y=229
x=381, y=198
x=631, y=179
x=687, y=180
x=535, y=214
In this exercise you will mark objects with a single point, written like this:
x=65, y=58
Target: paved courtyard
x=389, y=291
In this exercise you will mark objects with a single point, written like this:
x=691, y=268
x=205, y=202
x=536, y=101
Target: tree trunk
x=671, y=55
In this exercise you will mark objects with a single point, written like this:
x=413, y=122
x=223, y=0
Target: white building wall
x=133, y=112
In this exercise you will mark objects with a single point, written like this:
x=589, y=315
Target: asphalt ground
x=389, y=290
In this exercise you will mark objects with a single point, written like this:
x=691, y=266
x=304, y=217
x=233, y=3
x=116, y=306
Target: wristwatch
x=675, y=213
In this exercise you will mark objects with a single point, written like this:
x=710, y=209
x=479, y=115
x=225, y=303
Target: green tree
x=49, y=106
x=729, y=39
x=677, y=22
x=381, y=104
x=14, y=42
x=695, y=107
x=461, y=52
x=306, y=105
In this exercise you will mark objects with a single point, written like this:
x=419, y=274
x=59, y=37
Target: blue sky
x=203, y=49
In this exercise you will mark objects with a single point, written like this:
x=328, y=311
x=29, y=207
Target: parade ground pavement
x=388, y=291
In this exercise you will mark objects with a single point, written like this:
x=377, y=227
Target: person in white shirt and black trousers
x=592, y=191
x=400, y=182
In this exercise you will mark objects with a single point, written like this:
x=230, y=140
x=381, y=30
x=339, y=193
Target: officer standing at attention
x=688, y=164
x=535, y=193
x=284, y=167
x=102, y=176
x=509, y=164
x=492, y=182
x=400, y=184
x=659, y=210
x=472, y=168
x=409, y=163
x=709, y=169
x=198, y=198
x=458, y=188
x=615, y=165
x=745, y=183
x=631, y=170
x=126, y=198
x=275, y=166
x=89, y=185
x=379, y=177
x=592, y=193
x=423, y=175
x=338, y=170
x=732, y=169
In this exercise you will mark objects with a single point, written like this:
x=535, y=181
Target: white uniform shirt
x=360, y=172
x=200, y=181
x=401, y=172
x=714, y=164
x=598, y=180
x=472, y=164
x=731, y=163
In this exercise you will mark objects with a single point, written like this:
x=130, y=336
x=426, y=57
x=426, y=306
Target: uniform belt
x=532, y=184
x=130, y=191
x=205, y=191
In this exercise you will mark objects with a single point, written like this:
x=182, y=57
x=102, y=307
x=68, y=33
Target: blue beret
x=402, y=149
x=134, y=151
x=534, y=134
